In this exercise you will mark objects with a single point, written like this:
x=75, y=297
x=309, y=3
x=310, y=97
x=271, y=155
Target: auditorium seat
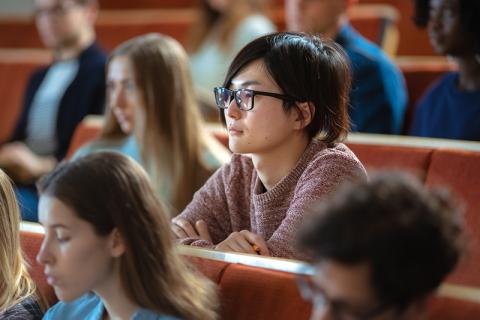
x=255, y=293
x=414, y=160
x=112, y=27
x=31, y=236
x=447, y=308
x=460, y=172
x=377, y=23
x=16, y=66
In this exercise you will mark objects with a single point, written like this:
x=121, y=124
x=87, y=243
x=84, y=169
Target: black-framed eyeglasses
x=339, y=311
x=245, y=98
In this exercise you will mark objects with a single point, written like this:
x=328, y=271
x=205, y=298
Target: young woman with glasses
x=284, y=102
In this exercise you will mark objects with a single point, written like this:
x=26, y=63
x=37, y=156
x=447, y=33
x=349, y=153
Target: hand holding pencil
x=244, y=242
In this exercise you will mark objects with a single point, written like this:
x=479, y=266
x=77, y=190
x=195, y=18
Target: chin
x=67, y=296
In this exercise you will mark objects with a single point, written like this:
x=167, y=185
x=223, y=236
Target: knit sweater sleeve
x=210, y=205
x=321, y=177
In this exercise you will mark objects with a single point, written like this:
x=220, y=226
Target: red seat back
x=460, y=172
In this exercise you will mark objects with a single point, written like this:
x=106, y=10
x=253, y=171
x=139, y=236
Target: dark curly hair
x=469, y=16
x=410, y=236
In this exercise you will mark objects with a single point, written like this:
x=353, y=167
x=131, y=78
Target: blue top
x=85, y=95
x=90, y=307
x=446, y=112
x=379, y=97
x=127, y=146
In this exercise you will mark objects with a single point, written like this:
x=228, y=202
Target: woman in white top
x=222, y=29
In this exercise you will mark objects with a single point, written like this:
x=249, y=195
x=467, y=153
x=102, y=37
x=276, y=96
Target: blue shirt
x=127, y=146
x=446, y=112
x=379, y=97
x=90, y=307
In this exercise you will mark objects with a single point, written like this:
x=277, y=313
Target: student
x=381, y=248
x=57, y=97
x=379, y=96
x=107, y=250
x=18, y=295
x=223, y=28
x=284, y=103
x=451, y=107
x=152, y=116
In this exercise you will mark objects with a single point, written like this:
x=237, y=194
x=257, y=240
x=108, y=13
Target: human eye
x=61, y=236
x=129, y=85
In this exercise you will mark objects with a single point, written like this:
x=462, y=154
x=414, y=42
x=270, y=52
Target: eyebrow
x=246, y=83
x=58, y=225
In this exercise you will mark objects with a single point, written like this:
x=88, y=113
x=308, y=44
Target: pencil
x=256, y=248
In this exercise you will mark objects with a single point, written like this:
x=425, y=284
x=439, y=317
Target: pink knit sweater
x=232, y=199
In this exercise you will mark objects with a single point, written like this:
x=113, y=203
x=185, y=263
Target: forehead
x=53, y=211
x=120, y=67
x=345, y=282
x=254, y=72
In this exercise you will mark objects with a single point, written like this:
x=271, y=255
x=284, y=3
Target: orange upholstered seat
x=16, y=66
x=384, y=157
x=257, y=293
x=31, y=236
x=460, y=172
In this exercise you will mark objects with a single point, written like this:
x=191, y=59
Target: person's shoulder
x=27, y=309
x=85, y=307
x=364, y=53
x=337, y=155
x=93, y=57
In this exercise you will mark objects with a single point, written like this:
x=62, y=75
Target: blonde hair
x=224, y=24
x=169, y=129
x=151, y=271
x=15, y=282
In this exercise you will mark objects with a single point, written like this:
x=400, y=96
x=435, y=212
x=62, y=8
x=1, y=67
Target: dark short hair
x=410, y=236
x=307, y=68
x=469, y=17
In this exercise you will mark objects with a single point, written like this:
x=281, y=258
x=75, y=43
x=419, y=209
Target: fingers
x=178, y=232
x=202, y=229
x=244, y=242
x=255, y=239
x=186, y=227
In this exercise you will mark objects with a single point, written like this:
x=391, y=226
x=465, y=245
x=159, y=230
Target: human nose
x=233, y=111
x=117, y=98
x=44, y=255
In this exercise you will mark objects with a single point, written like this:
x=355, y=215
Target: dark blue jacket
x=85, y=95
x=379, y=98
x=446, y=112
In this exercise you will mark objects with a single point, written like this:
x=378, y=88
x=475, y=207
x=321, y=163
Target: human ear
x=305, y=112
x=117, y=243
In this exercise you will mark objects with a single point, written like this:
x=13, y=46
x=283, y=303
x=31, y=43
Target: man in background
x=378, y=98
x=57, y=97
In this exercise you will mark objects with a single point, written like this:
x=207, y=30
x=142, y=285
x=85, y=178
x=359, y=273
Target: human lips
x=51, y=280
x=233, y=131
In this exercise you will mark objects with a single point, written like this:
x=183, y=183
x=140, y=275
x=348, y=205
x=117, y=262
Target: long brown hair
x=209, y=20
x=15, y=282
x=111, y=191
x=169, y=129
